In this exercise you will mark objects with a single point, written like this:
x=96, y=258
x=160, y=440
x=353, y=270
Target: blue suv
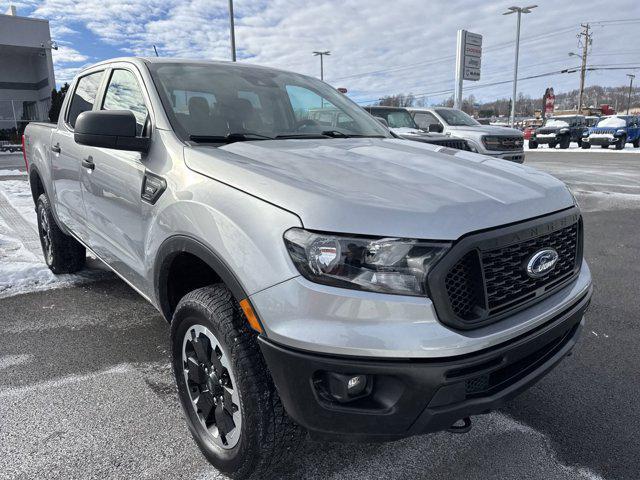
x=614, y=130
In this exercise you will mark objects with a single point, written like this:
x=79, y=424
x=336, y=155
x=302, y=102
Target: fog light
x=345, y=388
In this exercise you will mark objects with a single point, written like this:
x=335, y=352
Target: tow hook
x=457, y=428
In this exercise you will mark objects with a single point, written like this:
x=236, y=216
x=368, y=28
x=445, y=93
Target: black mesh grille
x=486, y=282
x=503, y=143
x=505, y=273
x=463, y=288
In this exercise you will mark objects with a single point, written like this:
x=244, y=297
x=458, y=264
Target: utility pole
x=321, y=55
x=585, y=43
x=232, y=29
x=155, y=50
x=519, y=11
x=631, y=77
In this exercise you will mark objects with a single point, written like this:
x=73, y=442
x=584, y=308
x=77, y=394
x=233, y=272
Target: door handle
x=88, y=163
x=56, y=148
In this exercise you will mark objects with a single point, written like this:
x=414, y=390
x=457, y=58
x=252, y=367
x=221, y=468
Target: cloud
x=65, y=54
x=378, y=47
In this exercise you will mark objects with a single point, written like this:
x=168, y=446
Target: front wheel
x=552, y=144
x=533, y=144
x=604, y=146
x=585, y=145
x=620, y=143
x=636, y=143
x=565, y=142
x=230, y=402
x=62, y=253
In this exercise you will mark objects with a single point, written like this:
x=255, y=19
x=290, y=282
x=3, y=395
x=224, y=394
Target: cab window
x=124, y=93
x=424, y=119
x=84, y=96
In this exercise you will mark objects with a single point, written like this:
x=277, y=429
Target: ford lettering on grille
x=542, y=262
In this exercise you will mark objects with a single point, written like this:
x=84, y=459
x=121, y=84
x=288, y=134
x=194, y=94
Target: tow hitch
x=457, y=428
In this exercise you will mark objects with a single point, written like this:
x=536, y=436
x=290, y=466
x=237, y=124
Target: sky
x=378, y=47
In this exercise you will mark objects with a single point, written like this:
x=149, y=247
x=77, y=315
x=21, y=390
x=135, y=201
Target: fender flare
x=177, y=244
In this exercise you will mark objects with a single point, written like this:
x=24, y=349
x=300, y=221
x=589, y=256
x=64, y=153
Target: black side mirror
x=435, y=128
x=109, y=129
x=383, y=121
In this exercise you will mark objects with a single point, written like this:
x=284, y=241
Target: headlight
x=564, y=130
x=386, y=265
x=620, y=132
x=585, y=133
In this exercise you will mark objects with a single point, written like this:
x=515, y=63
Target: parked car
x=401, y=123
x=616, y=130
x=341, y=283
x=498, y=142
x=559, y=130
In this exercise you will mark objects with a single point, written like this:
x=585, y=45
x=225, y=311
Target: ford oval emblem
x=542, y=262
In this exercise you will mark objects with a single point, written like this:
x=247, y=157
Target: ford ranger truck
x=494, y=141
x=616, y=130
x=337, y=282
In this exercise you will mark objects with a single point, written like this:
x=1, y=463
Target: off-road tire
x=62, y=253
x=268, y=437
x=585, y=145
x=552, y=144
x=565, y=142
x=636, y=143
x=620, y=143
x=604, y=146
x=533, y=144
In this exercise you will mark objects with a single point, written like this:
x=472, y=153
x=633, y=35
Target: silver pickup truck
x=337, y=282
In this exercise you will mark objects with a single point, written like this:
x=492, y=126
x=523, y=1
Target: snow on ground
x=11, y=173
x=574, y=148
x=23, y=269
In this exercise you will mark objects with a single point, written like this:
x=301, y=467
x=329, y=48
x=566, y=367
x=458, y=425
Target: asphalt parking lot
x=86, y=389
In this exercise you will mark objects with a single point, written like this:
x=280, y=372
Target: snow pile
x=612, y=122
x=11, y=173
x=23, y=270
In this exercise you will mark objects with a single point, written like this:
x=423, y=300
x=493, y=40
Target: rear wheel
x=231, y=405
x=62, y=253
x=533, y=144
x=620, y=143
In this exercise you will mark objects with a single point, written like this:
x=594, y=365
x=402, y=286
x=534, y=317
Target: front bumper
x=414, y=396
x=544, y=139
x=600, y=139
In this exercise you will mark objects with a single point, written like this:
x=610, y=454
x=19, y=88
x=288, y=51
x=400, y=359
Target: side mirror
x=435, y=128
x=109, y=129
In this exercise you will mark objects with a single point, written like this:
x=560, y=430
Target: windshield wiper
x=301, y=135
x=229, y=138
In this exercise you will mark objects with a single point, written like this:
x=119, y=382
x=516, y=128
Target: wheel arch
x=180, y=254
x=35, y=183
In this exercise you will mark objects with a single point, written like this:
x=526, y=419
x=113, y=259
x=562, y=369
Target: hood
x=489, y=130
x=383, y=187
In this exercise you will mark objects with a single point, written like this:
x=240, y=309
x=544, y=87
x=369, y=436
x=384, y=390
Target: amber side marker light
x=251, y=315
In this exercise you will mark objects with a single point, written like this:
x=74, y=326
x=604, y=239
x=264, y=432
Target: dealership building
x=26, y=73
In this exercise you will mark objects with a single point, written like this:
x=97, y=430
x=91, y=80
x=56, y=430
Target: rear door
x=67, y=155
x=112, y=186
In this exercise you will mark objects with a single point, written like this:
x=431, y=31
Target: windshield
x=456, y=118
x=612, y=122
x=218, y=103
x=395, y=118
x=556, y=122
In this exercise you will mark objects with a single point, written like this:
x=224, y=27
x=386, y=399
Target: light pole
x=519, y=11
x=631, y=77
x=321, y=55
x=232, y=28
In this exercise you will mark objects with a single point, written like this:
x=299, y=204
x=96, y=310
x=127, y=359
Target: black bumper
x=410, y=397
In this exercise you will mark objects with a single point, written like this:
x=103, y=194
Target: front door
x=66, y=156
x=112, y=187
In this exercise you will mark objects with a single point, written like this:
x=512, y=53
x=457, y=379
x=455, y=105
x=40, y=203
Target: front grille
x=451, y=143
x=506, y=279
x=503, y=143
x=488, y=278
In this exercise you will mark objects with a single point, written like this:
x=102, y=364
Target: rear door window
x=124, y=93
x=84, y=96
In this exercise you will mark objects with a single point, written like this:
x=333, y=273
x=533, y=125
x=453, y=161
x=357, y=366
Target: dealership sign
x=469, y=55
